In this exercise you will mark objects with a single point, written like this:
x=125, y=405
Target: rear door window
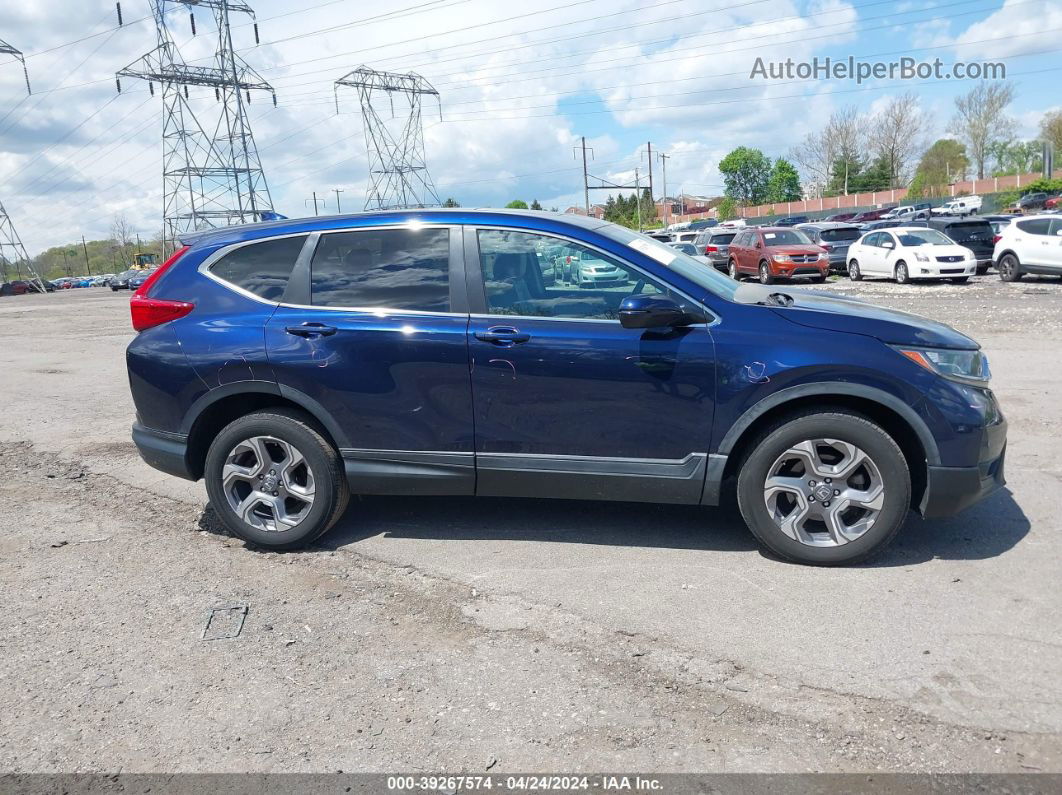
x=1034, y=226
x=259, y=268
x=406, y=269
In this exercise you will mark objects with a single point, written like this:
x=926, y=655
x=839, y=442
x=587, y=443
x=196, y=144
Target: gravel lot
x=511, y=635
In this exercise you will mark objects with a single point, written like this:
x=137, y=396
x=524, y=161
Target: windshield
x=976, y=231
x=786, y=237
x=924, y=237
x=684, y=265
x=835, y=235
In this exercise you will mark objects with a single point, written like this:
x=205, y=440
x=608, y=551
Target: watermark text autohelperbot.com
x=849, y=69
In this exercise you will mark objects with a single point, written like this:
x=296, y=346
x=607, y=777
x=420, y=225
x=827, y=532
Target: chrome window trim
x=476, y=227
x=209, y=262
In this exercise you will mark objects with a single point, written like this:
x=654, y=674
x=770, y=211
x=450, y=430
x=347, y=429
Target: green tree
x=784, y=182
x=727, y=209
x=746, y=173
x=942, y=164
x=1015, y=157
x=535, y=205
x=516, y=204
x=631, y=210
x=451, y=202
x=1051, y=130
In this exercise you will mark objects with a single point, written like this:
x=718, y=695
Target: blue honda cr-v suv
x=532, y=354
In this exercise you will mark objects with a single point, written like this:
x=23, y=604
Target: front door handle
x=311, y=330
x=503, y=336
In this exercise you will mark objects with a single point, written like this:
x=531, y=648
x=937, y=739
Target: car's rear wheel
x=732, y=271
x=274, y=480
x=1009, y=268
x=853, y=271
x=824, y=488
x=765, y=274
x=902, y=276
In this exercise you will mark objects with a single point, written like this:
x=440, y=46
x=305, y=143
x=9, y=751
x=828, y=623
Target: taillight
x=149, y=312
x=996, y=239
x=710, y=249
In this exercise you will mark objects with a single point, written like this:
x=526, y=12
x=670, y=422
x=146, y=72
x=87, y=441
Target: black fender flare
x=832, y=389
x=304, y=401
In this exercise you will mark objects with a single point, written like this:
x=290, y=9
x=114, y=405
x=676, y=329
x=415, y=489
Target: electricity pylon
x=12, y=252
x=7, y=49
x=212, y=175
x=398, y=174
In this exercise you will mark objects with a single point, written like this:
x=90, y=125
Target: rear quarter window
x=261, y=268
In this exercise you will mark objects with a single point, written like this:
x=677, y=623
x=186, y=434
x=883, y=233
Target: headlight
x=781, y=258
x=921, y=257
x=822, y=255
x=966, y=366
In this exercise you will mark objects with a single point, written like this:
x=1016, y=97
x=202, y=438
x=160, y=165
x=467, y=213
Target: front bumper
x=953, y=489
x=166, y=452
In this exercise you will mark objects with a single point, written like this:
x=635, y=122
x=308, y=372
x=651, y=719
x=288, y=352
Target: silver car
x=835, y=237
x=715, y=245
x=589, y=272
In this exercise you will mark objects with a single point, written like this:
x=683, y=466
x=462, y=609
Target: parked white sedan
x=904, y=253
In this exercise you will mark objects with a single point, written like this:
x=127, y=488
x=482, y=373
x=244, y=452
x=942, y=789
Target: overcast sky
x=520, y=83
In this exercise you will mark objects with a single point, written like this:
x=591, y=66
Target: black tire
x=299, y=430
x=960, y=280
x=732, y=271
x=765, y=274
x=854, y=273
x=1009, y=268
x=818, y=279
x=844, y=426
x=903, y=276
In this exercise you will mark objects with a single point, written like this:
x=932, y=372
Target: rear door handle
x=311, y=330
x=503, y=336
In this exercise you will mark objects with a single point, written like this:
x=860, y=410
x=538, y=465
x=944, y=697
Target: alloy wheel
x=824, y=492
x=732, y=270
x=268, y=483
x=853, y=271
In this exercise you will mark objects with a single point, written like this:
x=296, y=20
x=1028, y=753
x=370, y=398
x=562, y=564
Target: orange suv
x=776, y=252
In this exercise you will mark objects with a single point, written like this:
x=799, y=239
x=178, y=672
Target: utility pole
x=649, y=150
x=586, y=184
x=84, y=247
x=337, y=191
x=638, y=197
x=314, y=200
x=667, y=202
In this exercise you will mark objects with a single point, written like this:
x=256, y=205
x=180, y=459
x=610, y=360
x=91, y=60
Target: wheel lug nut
x=836, y=493
x=826, y=504
x=828, y=480
x=275, y=493
x=811, y=483
x=272, y=472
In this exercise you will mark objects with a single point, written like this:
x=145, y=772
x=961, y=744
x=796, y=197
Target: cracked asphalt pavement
x=455, y=634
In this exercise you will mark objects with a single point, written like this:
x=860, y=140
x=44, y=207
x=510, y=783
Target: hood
x=832, y=312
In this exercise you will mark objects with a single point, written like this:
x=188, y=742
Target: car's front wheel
x=274, y=479
x=824, y=487
x=902, y=276
x=765, y=274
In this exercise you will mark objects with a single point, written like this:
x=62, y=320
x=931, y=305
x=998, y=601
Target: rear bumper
x=953, y=489
x=166, y=452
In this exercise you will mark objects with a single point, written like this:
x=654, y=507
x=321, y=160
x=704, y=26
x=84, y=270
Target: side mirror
x=654, y=311
x=759, y=244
